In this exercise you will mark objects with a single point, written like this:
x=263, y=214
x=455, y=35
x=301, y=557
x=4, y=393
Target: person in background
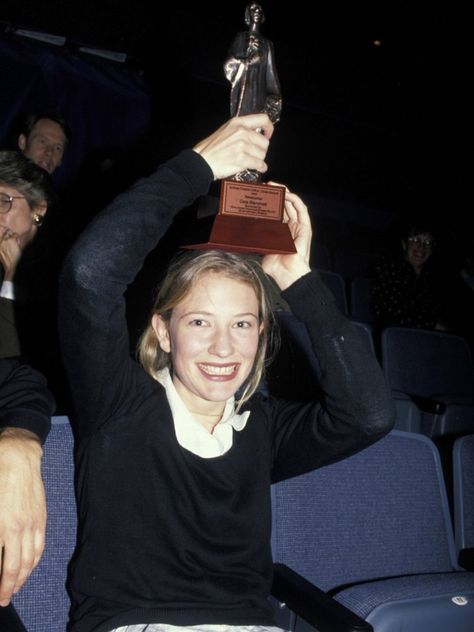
x=44, y=138
x=28, y=297
x=405, y=288
x=25, y=194
x=176, y=454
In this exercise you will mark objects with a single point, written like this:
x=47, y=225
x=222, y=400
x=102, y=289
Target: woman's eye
x=198, y=322
x=242, y=324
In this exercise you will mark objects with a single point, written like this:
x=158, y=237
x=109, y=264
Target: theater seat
x=367, y=544
x=43, y=603
x=336, y=283
x=463, y=482
x=360, y=300
x=295, y=370
x=434, y=371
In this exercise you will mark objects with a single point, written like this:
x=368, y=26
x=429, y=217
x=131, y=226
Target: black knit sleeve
x=103, y=262
x=355, y=408
x=25, y=400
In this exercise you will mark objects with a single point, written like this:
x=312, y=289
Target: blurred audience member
x=25, y=193
x=405, y=288
x=43, y=138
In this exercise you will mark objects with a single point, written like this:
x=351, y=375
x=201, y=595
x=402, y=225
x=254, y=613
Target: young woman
x=176, y=455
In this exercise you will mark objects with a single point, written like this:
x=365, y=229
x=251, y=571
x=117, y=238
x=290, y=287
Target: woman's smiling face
x=213, y=337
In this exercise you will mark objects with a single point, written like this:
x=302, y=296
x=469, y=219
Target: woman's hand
x=286, y=269
x=241, y=143
x=10, y=252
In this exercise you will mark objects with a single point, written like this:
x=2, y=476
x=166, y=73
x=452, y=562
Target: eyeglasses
x=6, y=201
x=418, y=241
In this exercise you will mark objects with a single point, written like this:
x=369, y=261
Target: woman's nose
x=221, y=343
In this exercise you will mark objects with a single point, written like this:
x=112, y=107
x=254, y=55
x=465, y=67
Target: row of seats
x=345, y=261
x=352, y=295
x=430, y=374
x=366, y=544
x=363, y=544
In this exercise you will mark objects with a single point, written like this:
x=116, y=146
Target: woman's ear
x=41, y=208
x=38, y=213
x=160, y=327
x=21, y=142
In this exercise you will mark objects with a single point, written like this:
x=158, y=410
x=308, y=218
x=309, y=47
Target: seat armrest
x=429, y=405
x=466, y=558
x=313, y=604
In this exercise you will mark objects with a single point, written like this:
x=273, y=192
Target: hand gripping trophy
x=251, y=70
x=250, y=216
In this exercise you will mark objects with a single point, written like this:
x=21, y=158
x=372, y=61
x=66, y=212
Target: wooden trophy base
x=250, y=219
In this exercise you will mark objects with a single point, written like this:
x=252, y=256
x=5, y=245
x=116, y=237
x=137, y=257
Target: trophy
x=250, y=215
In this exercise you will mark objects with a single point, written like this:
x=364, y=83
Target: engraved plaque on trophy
x=250, y=215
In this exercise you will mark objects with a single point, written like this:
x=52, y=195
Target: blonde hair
x=183, y=271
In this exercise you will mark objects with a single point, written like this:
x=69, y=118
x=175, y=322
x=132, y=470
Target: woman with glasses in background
x=406, y=288
x=25, y=193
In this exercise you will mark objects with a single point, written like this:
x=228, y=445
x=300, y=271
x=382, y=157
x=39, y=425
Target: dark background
x=376, y=106
x=376, y=123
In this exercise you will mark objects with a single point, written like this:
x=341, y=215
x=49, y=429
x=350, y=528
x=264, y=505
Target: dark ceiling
x=379, y=88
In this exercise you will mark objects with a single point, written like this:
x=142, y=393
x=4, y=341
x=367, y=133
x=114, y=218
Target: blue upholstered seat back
x=360, y=299
x=433, y=365
x=378, y=514
x=463, y=478
x=43, y=602
x=337, y=284
x=428, y=363
x=293, y=372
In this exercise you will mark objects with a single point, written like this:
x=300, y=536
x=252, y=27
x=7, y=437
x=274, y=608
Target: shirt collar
x=191, y=434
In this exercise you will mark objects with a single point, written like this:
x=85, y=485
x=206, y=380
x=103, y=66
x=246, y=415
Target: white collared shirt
x=191, y=434
x=7, y=290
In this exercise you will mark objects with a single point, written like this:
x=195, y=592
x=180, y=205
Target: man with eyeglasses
x=406, y=289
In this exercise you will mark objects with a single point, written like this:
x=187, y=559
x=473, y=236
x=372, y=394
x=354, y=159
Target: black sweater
x=167, y=536
x=25, y=400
